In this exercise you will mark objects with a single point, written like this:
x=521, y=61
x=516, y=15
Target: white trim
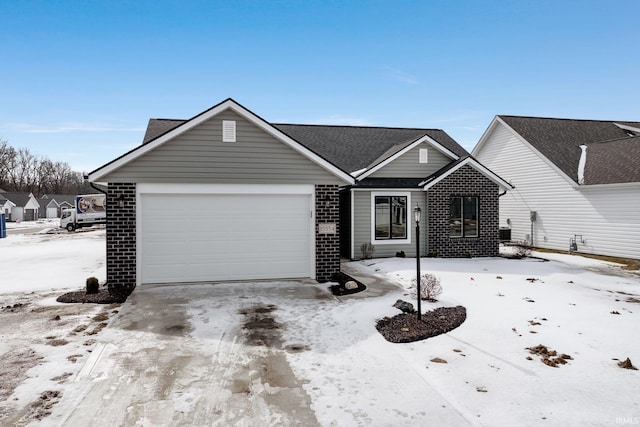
x=359, y=171
x=147, y=188
x=405, y=150
x=353, y=234
x=229, y=104
x=225, y=188
x=606, y=187
x=474, y=164
x=375, y=194
x=628, y=128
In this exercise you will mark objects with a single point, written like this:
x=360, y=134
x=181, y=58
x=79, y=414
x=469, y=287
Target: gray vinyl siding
x=362, y=226
x=200, y=156
x=408, y=165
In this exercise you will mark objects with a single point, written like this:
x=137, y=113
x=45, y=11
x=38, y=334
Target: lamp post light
x=417, y=213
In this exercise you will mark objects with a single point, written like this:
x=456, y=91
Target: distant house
x=577, y=182
x=51, y=205
x=6, y=206
x=226, y=195
x=24, y=206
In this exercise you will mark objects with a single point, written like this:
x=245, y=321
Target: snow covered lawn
x=349, y=374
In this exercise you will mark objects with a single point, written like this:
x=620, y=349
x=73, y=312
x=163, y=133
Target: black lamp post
x=417, y=213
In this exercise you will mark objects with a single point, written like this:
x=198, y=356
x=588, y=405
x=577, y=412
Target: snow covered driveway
x=234, y=354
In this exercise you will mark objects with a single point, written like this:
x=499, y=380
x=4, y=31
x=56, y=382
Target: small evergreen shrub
x=93, y=286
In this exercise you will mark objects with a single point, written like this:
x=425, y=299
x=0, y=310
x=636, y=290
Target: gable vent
x=228, y=131
x=424, y=155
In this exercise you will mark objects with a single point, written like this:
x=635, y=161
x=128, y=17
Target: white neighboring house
x=577, y=182
x=6, y=206
x=21, y=206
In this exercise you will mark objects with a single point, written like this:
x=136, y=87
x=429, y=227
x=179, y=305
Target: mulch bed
x=102, y=297
x=339, y=289
x=406, y=327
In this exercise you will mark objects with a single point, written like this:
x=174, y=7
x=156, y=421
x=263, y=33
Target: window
x=463, y=216
x=389, y=218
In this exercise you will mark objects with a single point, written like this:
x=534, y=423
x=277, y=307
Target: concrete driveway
x=244, y=354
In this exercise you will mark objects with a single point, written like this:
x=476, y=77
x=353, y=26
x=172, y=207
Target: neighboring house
x=6, y=206
x=577, y=182
x=51, y=205
x=226, y=195
x=20, y=206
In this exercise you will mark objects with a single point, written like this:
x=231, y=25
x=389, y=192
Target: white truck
x=90, y=210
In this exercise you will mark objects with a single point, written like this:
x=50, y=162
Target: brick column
x=121, y=238
x=327, y=244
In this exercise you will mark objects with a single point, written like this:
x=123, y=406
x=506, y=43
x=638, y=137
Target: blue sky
x=80, y=79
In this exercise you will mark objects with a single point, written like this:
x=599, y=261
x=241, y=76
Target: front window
x=390, y=217
x=463, y=217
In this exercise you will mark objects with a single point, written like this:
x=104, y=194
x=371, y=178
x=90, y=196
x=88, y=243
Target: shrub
x=93, y=286
x=430, y=287
x=520, y=250
x=367, y=250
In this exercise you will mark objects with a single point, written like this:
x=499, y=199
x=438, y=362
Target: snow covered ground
x=586, y=309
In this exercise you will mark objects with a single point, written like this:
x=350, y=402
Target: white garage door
x=212, y=237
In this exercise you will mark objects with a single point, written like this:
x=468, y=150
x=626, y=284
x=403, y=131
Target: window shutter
x=228, y=131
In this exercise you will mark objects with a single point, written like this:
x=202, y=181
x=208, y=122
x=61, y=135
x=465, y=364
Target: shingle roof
x=613, y=162
x=350, y=148
x=157, y=127
x=59, y=198
x=559, y=140
x=353, y=148
x=19, y=198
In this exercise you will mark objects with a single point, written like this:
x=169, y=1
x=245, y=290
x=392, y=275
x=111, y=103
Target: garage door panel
x=198, y=237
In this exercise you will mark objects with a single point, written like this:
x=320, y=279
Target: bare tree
x=20, y=170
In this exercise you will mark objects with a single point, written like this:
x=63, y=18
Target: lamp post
x=417, y=213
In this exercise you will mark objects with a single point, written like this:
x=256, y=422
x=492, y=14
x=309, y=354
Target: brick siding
x=327, y=245
x=464, y=182
x=121, y=238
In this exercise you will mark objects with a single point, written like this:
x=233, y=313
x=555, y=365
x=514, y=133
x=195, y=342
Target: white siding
x=607, y=218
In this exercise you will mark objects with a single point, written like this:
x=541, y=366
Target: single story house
x=51, y=205
x=6, y=206
x=577, y=182
x=19, y=206
x=227, y=195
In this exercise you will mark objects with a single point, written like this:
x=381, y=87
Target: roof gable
x=559, y=140
x=163, y=132
x=357, y=148
x=21, y=199
x=454, y=166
